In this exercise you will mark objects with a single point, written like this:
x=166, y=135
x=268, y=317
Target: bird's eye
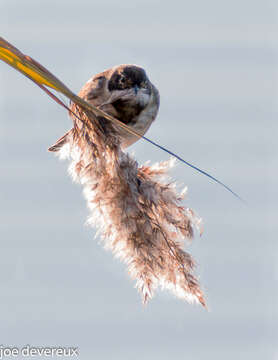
x=117, y=82
x=121, y=82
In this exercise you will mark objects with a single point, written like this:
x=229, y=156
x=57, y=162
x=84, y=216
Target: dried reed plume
x=137, y=212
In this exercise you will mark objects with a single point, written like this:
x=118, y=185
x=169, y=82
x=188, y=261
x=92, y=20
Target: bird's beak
x=136, y=88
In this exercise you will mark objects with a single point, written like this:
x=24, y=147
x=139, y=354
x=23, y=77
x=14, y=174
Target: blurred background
x=215, y=64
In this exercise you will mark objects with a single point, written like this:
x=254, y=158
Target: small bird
x=124, y=92
x=121, y=100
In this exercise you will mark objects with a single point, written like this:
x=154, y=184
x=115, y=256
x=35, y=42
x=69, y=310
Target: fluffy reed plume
x=137, y=212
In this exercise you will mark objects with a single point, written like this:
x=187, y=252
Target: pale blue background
x=215, y=63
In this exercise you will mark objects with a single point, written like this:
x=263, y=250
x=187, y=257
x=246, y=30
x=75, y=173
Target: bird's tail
x=61, y=142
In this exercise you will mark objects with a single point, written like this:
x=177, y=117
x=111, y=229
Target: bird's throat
x=127, y=110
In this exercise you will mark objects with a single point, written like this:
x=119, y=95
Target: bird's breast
x=130, y=106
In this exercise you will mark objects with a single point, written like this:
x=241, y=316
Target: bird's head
x=129, y=77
